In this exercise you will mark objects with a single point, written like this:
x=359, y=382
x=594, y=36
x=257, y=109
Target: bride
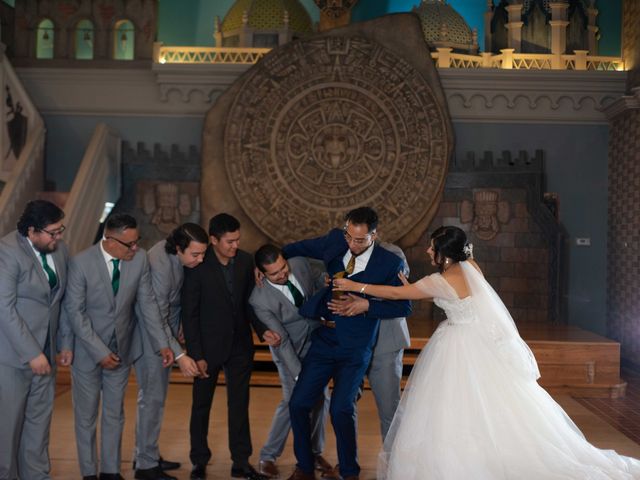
x=472, y=409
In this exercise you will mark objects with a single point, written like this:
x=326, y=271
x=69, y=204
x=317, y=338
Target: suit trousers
x=385, y=374
x=86, y=389
x=237, y=372
x=281, y=423
x=327, y=360
x=153, y=382
x=26, y=403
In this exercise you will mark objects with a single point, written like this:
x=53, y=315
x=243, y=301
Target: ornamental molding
x=623, y=104
x=473, y=95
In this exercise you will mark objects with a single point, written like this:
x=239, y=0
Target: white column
x=558, y=24
x=592, y=29
x=515, y=26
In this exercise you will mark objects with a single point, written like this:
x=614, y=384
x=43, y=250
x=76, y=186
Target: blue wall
x=576, y=166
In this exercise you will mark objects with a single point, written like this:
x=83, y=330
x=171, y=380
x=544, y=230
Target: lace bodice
x=459, y=311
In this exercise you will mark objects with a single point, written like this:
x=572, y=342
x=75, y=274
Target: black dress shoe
x=90, y=477
x=248, y=472
x=198, y=472
x=110, y=476
x=168, y=465
x=154, y=473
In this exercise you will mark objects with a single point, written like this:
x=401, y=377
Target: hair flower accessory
x=468, y=250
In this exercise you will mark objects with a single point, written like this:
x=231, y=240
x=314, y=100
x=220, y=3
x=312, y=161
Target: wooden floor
x=174, y=443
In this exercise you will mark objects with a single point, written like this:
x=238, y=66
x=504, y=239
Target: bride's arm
x=405, y=292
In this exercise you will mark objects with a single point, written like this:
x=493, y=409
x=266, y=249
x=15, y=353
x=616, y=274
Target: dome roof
x=267, y=15
x=444, y=27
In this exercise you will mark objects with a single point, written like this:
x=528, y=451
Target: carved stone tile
x=348, y=118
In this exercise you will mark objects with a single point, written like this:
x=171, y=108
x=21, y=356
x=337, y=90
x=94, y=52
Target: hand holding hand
x=188, y=366
x=202, y=369
x=40, y=365
x=349, y=305
x=64, y=358
x=272, y=338
x=167, y=357
x=110, y=362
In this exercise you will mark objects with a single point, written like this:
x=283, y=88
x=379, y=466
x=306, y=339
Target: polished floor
x=175, y=440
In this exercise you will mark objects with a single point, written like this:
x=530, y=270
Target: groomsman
x=105, y=282
x=183, y=248
x=276, y=304
x=33, y=274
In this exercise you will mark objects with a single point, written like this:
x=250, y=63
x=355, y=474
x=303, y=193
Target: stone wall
x=623, y=265
x=161, y=189
x=500, y=203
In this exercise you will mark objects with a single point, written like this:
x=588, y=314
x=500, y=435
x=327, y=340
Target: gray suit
x=280, y=315
x=29, y=313
x=96, y=318
x=153, y=379
x=385, y=370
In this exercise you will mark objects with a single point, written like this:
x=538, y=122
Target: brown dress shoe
x=269, y=468
x=300, y=475
x=326, y=469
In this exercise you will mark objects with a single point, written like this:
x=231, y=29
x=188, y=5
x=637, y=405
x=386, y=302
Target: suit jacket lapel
x=103, y=273
x=26, y=246
x=218, y=278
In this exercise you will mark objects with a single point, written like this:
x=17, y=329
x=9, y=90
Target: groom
x=341, y=348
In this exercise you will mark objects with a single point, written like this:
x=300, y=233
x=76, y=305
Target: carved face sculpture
x=485, y=222
x=335, y=8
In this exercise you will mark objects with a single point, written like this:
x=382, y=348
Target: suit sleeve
x=312, y=248
x=12, y=326
x=161, y=287
x=153, y=323
x=285, y=351
x=75, y=313
x=190, y=301
x=384, y=309
x=250, y=313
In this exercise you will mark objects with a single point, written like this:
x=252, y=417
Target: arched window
x=123, y=40
x=44, y=39
x=84, y=40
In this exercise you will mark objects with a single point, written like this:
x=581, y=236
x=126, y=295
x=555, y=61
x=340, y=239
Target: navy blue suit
x=342, y=353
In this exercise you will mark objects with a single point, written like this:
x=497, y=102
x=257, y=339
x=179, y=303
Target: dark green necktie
x=48, y=270
x=298, y=298
x=115, y=278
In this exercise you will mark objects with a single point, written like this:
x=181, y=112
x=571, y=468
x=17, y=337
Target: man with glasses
x=105, y=283
x=33, y=274
x=341, y=348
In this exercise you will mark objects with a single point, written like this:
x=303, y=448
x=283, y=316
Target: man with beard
x=33, y=275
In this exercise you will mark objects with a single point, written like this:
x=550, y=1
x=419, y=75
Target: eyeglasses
x=55, y=233
x=357, y=241
x=129, y=245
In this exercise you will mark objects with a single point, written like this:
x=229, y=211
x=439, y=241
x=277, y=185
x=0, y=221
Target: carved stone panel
x=322, y=126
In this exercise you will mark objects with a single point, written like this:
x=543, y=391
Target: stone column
x=592, y=29
x=558, y=24
x=217, y=32
x=515, y=26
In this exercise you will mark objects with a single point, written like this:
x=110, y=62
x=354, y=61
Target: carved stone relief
x=486, y=212
x=322, y=126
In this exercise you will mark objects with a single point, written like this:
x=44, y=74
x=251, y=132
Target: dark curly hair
x=183, y=235
x=449, y=242
x=38, y=214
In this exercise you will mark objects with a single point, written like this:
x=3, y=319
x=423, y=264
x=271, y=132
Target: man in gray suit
x=385, y=369
x=183, y=248
x=105, y=282
x=276, y=304
x=33, y=271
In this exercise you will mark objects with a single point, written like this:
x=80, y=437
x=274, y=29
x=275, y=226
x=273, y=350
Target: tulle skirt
x=466, y=415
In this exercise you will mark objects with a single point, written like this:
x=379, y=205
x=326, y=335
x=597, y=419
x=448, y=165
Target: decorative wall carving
x=321, y=126
x=486, y=213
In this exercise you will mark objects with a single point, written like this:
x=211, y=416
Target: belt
x=327, y=323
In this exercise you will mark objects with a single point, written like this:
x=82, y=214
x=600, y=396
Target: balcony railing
x=443, y=58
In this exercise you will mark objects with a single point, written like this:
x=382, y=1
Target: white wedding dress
x=472, y=409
